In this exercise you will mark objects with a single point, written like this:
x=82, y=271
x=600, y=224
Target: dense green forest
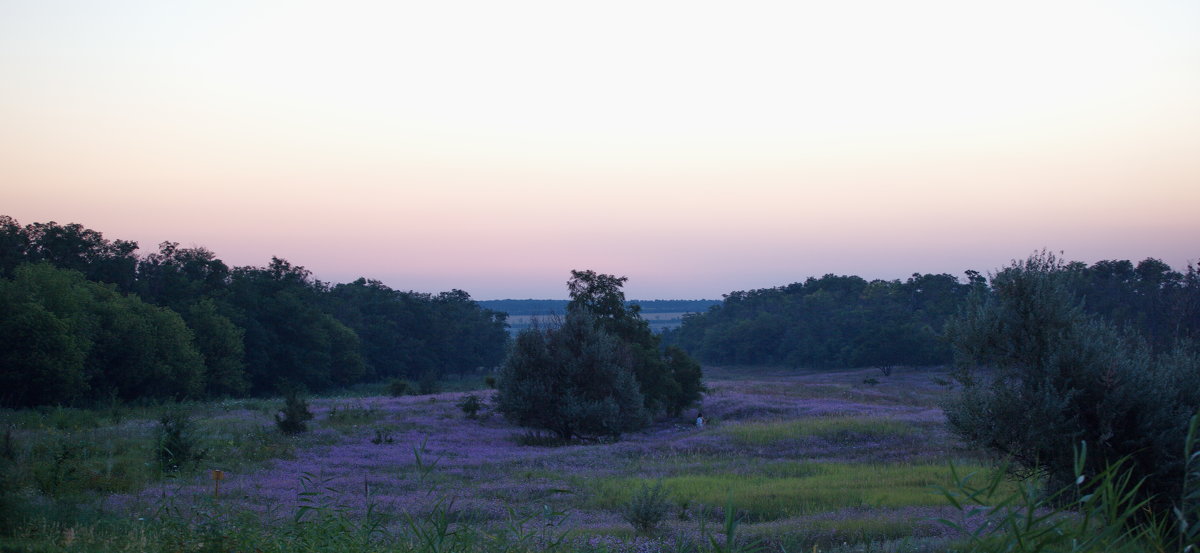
x=86, y=319
x=847, y=321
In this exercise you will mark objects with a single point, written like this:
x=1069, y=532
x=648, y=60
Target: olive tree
x=1039, y=375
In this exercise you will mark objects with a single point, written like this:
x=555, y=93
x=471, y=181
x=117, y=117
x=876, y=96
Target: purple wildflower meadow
x=435, y=457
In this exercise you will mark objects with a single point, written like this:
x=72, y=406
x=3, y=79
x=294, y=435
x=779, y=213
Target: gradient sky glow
x=696, y=147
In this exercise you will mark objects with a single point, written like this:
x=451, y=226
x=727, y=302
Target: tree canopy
x=86, y=319
x=1040, y=374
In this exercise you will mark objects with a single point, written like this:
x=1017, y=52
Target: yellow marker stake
x=218, y=475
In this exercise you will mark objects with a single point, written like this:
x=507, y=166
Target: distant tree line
x=846, y=321
x=83, y=318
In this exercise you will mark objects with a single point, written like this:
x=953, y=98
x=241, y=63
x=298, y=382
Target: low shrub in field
x=400, y=387
x=428, y=383
x=295, y=414
x=471, y=405
x=539, y=439
x=177, y=443
x=647, y=508
x=352, y=415
x=383, y=437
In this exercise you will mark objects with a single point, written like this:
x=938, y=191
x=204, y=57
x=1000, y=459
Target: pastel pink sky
x=695, y=147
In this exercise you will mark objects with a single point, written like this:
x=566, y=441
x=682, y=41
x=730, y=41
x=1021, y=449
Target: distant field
x=661, y=314
x=814, y=460
x=658, y=321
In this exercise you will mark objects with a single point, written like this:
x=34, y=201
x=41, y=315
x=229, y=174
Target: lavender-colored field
x=805, y=457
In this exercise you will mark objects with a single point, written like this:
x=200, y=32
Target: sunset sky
x=695, y=147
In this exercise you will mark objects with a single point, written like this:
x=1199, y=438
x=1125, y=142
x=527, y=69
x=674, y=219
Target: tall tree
x=663, y=387
x=570, y=380
x=1039, y=374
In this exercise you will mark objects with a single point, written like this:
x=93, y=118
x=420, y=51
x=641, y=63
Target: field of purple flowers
x=836, y=461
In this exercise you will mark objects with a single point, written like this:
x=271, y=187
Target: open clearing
x=824, y=459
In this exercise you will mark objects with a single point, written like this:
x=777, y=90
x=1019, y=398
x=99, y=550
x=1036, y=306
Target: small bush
x=428, y=384
x=178, y=444
x=382, y=437
x=62, y=474
x=352, y=415
x=490, y=381
x=573, y=380
x=399, y=387
x=647, y=508
x=471, y=406
x=539, y=439
x=295, y=414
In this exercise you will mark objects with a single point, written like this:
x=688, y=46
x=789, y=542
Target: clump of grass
x=840, y=534
x=646, y=508
x=539, y=439
x=352, y=415
x=177, y=444
x=470, y=406
x=246, y=441
x=399, y=387
x=1099, y=513
x=383, y=437
x=837, y=428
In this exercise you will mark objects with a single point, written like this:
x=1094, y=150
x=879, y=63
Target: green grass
x=795, y=489
x=825, y=535
x=346, y=415
x=839, y=428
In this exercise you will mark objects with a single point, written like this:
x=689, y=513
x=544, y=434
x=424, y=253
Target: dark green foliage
x=287, y=334
x=833, y=321
x=846, y=321
x=408, y=334
x=68, y=338
x=383, y=438
x=10, y=484
x=490, y=381
x=471, y=405
x=81, y=249
x=668, y=383
x=72, y=339
x=646, y=508
x=177, y=445
x=295, y=413
x=686, y=380
x=428, y=383
x=1162, y=305
x=571, y=381
x=399, y=387
x=40, y=352
x=220, y=343
x=1058, y=375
